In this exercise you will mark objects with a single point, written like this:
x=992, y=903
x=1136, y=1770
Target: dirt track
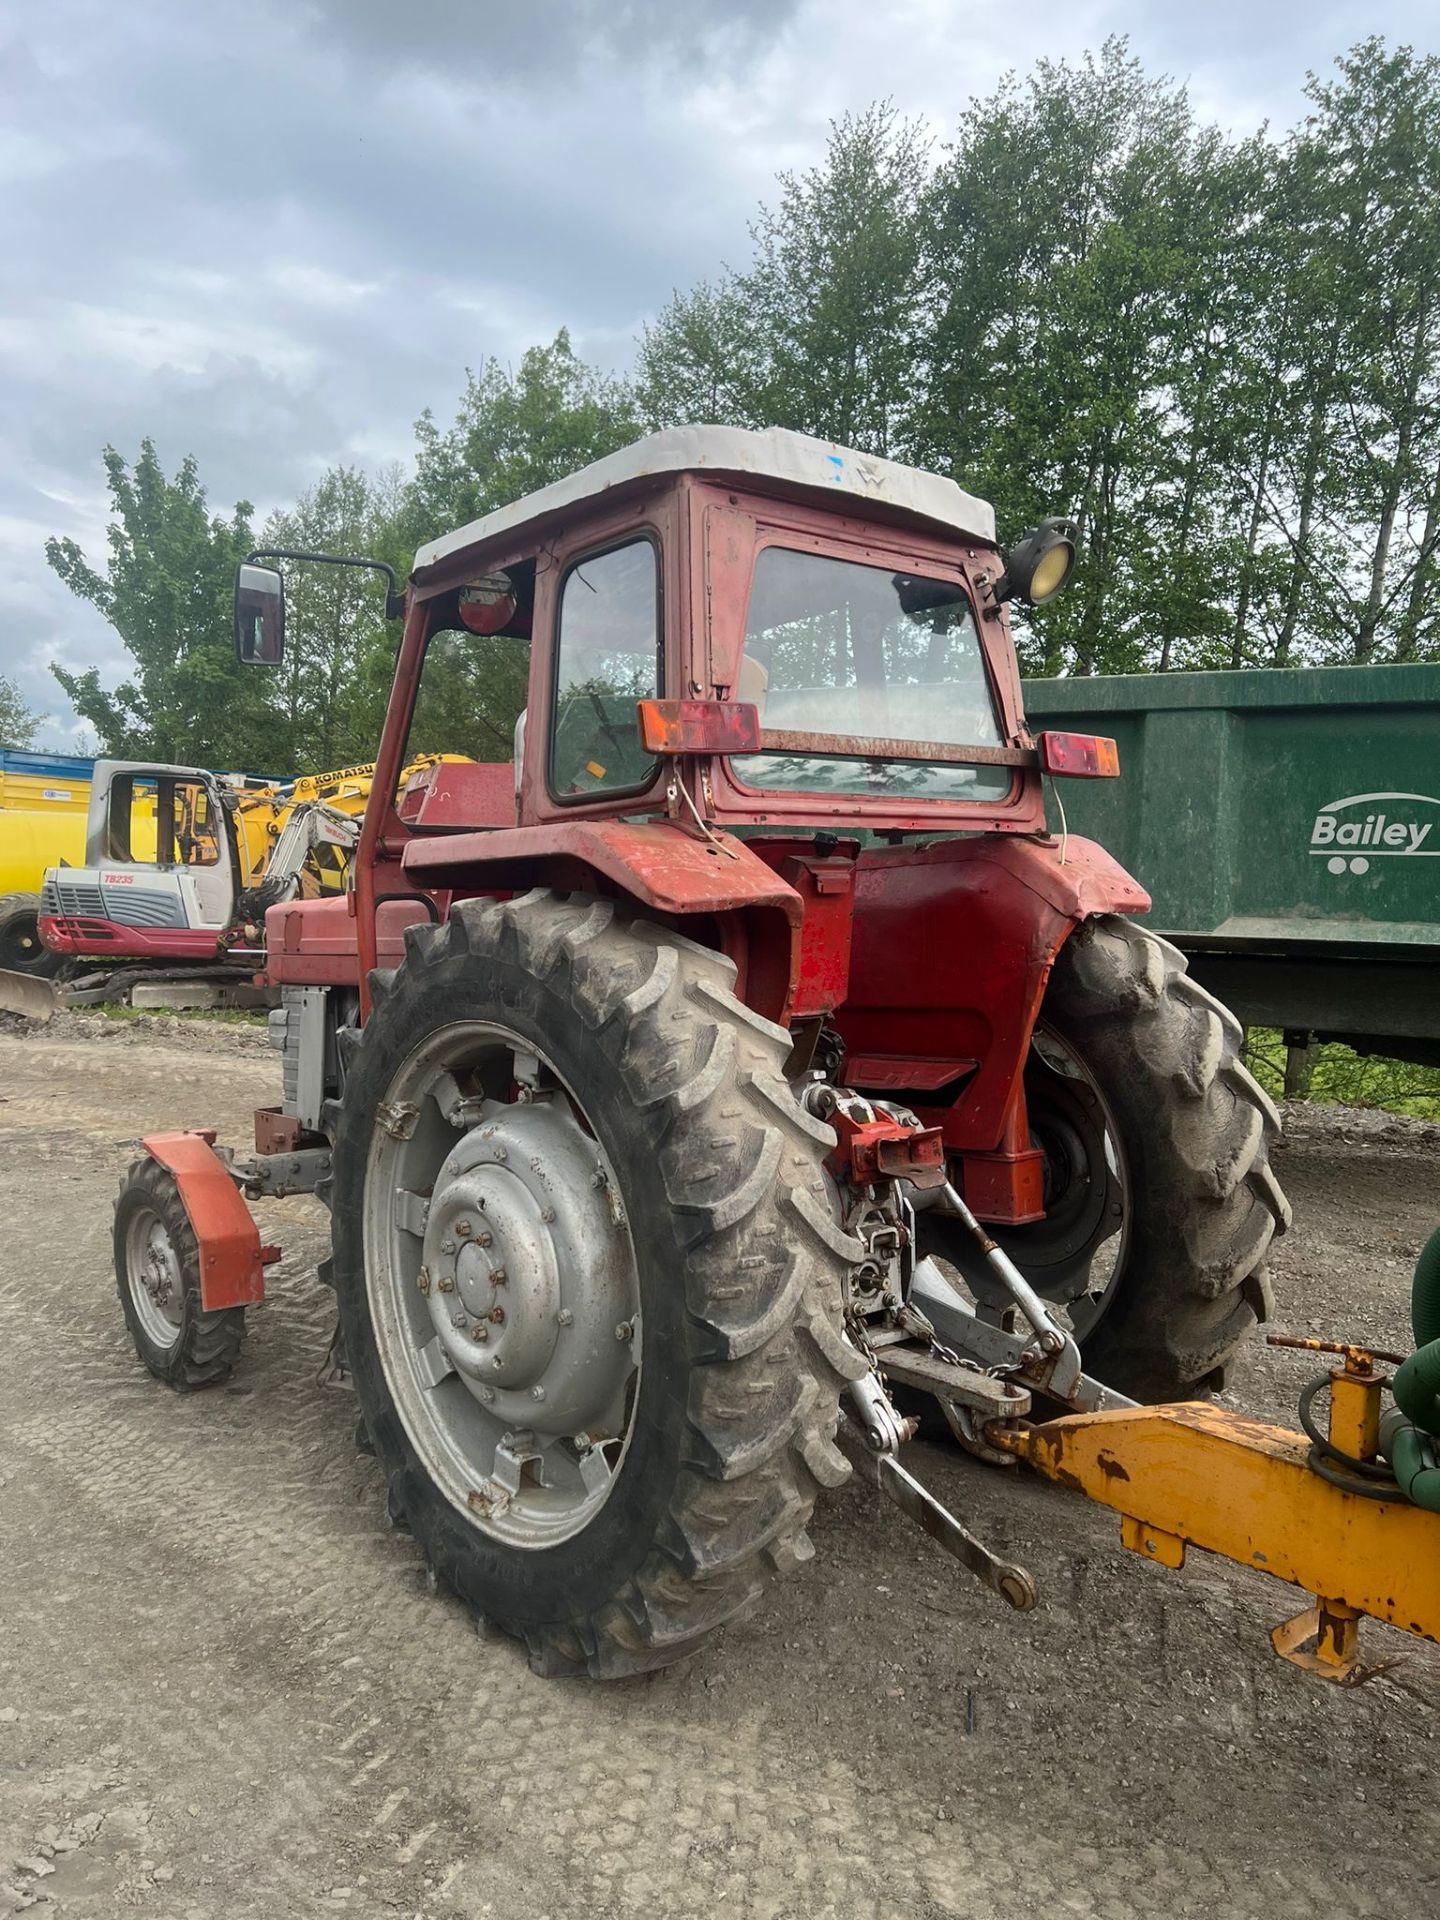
x=225, y=1689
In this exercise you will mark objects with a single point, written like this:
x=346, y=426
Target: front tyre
x=589, y=1287
x=157, y=1270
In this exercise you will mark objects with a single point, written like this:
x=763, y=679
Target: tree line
x=1220, y=355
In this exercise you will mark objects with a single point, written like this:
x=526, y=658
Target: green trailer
x=1287, y=824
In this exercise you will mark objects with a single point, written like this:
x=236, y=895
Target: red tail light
x=698, y=726
x=1082, y=756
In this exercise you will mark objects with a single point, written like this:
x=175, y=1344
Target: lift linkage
x=1190, y=1474
x=1193, y=1474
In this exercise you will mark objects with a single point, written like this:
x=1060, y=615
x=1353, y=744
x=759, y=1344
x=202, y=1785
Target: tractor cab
x=759, y=628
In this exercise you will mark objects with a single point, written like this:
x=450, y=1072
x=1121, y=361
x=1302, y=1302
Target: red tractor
x=765, y=1051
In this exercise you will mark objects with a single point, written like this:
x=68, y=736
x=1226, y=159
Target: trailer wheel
x=589, y=1285
x=1160, y=1199
x=157, y=1268
x=21, y=948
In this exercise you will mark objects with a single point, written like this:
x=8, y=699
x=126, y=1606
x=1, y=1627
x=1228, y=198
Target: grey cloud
x=553, y=38
x=269, y=236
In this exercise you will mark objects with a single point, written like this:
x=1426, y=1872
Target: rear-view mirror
x=259, y=616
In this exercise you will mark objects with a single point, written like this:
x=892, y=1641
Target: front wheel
x=157, y=1270
x=588, y=1281
x=1159, y=1194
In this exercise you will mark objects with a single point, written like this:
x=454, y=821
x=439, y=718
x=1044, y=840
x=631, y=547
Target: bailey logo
x=1387, y=826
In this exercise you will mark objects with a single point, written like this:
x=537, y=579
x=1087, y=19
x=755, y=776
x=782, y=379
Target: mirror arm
x=394, y=593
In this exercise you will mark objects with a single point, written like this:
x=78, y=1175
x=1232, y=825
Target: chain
x=920, y=1325
x=860, y=1339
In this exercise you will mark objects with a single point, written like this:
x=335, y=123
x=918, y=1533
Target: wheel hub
x=156, y=1284
x=528, y=1270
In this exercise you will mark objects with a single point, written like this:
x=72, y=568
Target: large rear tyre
x=589, y=1284
x=21, y=948
x=1160, y=1198
x=157, y=1270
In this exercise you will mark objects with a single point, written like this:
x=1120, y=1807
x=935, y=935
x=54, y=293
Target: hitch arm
x=1014, y=1585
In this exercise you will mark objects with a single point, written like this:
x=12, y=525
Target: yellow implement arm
x=1195, y=1475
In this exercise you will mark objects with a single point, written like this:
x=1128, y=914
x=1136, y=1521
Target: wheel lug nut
x=480, y=1333
x=501, y=1153
x=497, y=1316
x=498, y=1276
x=459, y=1320
x=422, y=1279
x=537, y=1393
x=447, y=1246
x=565, y=1317
x=547, y=1214
x=462, y=1227
x=445, y=1283
x=625, y=1330
x=484, y=1238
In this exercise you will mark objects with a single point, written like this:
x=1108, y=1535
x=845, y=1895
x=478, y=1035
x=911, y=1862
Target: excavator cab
x=161, y=867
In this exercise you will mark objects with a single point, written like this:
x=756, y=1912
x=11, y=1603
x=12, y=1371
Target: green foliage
x=515, y=432
x=1344, y=1078
x=18, y=725
x=1221, y=357
x=822, y=332
x=339, y=648
x=166, y=589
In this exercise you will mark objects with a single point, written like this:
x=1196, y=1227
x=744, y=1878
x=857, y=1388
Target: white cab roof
x=773, y=454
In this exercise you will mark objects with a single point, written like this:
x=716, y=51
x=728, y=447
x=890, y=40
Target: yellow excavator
x=180, y=865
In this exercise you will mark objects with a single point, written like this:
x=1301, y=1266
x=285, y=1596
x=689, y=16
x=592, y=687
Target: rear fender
x=953, y=946
x=232, y=1260
x=715, y=890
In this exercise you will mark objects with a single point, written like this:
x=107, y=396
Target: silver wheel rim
x=502, y=1285
x=154, y=1277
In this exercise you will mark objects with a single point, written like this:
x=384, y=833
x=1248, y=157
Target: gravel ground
x=225, y=1689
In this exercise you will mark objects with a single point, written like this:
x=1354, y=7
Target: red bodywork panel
x=662, y=866
x=232, y=1260
x=101, y=937
x=313, y=943
x=952, y=947
x=458, y=796
x=716, y=890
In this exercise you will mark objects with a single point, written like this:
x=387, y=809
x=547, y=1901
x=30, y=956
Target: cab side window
x=608, y=656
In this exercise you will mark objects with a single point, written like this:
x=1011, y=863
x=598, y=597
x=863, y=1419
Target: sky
x=269, y=236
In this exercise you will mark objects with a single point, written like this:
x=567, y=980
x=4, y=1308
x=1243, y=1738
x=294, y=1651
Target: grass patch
x=219, y=1016
x=1348, y=1079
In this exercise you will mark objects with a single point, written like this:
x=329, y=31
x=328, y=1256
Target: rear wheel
x=157, y=1269
x=1160, y=1199
x=21, y=948
x=589, y=1286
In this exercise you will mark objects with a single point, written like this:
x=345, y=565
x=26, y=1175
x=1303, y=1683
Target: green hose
x=1412, y=1459
x=1407, y=1430
x=1425, y=1293
x=1416, y=1388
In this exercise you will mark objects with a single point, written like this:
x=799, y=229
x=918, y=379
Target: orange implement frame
x=1195, y=1475
x=232, y=1260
